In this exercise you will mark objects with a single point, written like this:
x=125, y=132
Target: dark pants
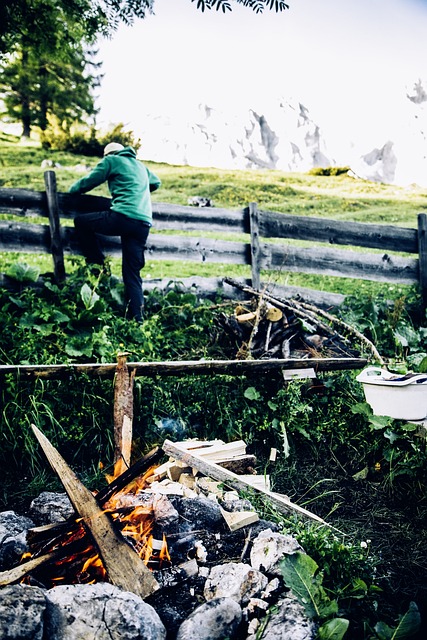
x=133, y=234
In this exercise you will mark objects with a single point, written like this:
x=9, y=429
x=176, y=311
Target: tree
x=96, y=17
x=35, y=86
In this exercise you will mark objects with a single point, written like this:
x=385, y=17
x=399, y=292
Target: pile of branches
x=269, y=327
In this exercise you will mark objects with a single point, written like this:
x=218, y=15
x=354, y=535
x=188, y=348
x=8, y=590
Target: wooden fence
x=256, y=226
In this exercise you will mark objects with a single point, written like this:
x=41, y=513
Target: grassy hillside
x=340, y=197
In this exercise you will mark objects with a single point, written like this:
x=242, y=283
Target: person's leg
x=133, y=246
x=89, y=225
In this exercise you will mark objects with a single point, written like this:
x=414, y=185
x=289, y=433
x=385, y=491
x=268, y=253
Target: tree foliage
x=256, y=5
x=96, y=17
x=35, y=87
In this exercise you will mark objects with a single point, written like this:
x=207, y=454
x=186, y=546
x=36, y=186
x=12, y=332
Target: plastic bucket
x=399, y=397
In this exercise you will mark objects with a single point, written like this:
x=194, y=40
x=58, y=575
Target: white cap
x=112, y=147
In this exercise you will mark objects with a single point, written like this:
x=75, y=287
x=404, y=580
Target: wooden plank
x=317, y=229
x=342, y=263
x=123, y=414
x=162, y=247
x=211, y=219
x=183, y=367
x=124, y=567
x=212, y=470
x=422, y=255
x=55, y=226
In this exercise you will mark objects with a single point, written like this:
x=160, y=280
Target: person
x=130, y=216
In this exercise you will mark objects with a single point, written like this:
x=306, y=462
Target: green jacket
x=129, y=182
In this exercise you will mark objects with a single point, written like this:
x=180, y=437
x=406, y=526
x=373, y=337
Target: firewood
x=123, y=414
x=17, y=573
x=233, y=480
x=239, y=519
x=262, y=482
x=124, y=567
x=240, y=465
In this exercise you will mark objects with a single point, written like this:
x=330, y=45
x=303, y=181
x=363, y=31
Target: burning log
x=17, y=573
x=123, y=565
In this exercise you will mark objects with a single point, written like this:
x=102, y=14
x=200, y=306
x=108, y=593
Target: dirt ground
x=393, y=518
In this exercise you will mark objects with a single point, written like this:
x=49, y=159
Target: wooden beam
x=255, y=245
x=123, y=414
x=55, y=226
x=212, y=470
x=123, y=565
x=337, y=232
x=422, y=256
x=183, y=367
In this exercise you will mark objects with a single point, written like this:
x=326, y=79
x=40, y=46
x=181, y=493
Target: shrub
x=86, y=141
x=328, y=171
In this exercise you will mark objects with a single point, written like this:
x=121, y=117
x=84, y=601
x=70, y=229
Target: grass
x=338, y=197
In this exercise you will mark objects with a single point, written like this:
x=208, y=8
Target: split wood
x=123, y=414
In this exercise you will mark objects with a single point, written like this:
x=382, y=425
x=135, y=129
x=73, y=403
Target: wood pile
x=266, y=327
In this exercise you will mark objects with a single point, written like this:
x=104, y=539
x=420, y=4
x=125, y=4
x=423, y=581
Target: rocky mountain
x=284, y=136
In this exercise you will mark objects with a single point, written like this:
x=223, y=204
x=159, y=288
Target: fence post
x=55, y=226
x=255, y=245
x=422, y=256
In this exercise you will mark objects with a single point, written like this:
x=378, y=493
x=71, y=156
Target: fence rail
x=255, y=227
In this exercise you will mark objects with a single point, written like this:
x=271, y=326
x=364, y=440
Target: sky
x=350, y=62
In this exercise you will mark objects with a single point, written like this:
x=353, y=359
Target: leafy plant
x=407, y=627
x=302, y=577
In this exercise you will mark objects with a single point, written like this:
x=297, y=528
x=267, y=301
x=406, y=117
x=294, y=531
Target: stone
x=13, y=538
x=100, y=611
x=199, y=512
x=22, y=613
x=268, y=549
x=234, y=580
x=51, y=507
x=215, y=620
x=288, y=621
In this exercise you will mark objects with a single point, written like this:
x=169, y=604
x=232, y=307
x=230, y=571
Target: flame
x=83, y=564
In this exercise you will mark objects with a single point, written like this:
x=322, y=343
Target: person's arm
x=153, y=180
x=97, y=176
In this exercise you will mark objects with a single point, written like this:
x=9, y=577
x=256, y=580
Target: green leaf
x=409, y=623
x=422, y=367
x=88, y=296
x=380, y=422
x=363, y=408
x=23, y=272
x=392, y=436
x=334, y=629
x=252, y=394
x=299, y=574
x=407, y=627
x=58, y=316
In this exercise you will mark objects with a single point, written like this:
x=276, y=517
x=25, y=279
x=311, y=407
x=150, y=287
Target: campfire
x=155, y=527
